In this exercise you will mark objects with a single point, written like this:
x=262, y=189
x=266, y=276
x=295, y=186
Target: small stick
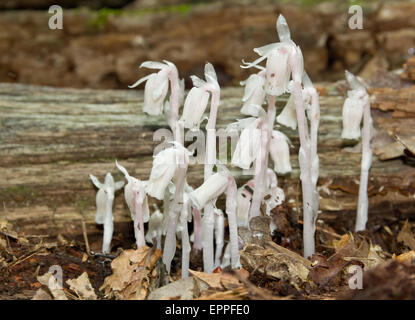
x=85, y=234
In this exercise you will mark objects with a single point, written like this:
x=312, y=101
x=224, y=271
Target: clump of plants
x=180, y=204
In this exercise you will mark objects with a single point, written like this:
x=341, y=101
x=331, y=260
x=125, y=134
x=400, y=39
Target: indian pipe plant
x=164, y=94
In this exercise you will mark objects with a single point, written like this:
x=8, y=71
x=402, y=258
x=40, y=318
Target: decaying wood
x=51, y=139
x=409, y=70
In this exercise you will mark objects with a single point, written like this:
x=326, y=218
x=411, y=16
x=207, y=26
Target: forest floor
x=271, y=268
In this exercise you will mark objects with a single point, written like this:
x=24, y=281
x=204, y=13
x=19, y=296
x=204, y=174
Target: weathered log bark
x=99, y=49
x=51, y=139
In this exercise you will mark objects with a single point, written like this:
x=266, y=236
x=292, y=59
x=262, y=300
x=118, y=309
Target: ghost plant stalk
x=277, y=75
x=136, y=199
x=219, y=234
x=182, y=162
x=104, y=201
x=211, y=85
x=284, y=59
x=208, y=192
x=359, y=100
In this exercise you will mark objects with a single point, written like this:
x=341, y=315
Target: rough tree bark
x=51, y=139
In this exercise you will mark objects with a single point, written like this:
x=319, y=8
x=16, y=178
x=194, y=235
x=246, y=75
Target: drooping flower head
x=280, y=152
x=254, y=94
x=105, y=193
x=353, y=108
x=281, y=57
x=249, y=144
x=133, y=189
x=157, y=85
x=212, y=188
x=165, y=164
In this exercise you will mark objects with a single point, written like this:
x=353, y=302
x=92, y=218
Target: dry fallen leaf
x=82, y=287
x=130, y=274
x=348, y=250
x=406, y=236
x=406, y=257
x=183, y=289
x=42, y=295
x=217, y=280
x=275, y=262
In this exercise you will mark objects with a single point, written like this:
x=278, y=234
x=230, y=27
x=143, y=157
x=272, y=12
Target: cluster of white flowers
x=283, y=73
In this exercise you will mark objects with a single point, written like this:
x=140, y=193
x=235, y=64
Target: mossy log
x=51, y=139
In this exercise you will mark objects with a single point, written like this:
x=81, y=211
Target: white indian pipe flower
x=211, y=84
x=248, y=146
x=194, y=108
x=244, y=197
x=280, y=152
x=155, y=228
x=104, y=202
x=254, y=94
x=212, y=188
x=353, y=113
x=363, y=201
x=137, y=202
x=165, y=164
x=288, y=115
x=157, y=85
x=278, y=55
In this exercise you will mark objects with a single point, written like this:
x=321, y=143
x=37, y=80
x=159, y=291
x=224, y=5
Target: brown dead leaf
x=349, y=250
x=406, y=236
x=274, y=262
x=130, y=274
x=82, y=287
x=48, y=280
x=406, y=257
x=217, y=280
x=42, y=295
x=239, y=293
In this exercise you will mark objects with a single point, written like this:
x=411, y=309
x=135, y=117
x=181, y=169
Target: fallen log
x=51, y=139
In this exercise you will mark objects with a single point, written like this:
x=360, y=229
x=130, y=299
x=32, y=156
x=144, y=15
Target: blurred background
x=104, y=41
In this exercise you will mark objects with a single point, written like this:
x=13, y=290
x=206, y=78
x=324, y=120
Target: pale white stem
x=108, y=226
x=314, y=124
x=259, y=179
x=208, y=219
x=197, y=229
x=305, y=168
x=363, y=202
x=262, y=165
x=174, y=211
x=139, y=222
x=219, y=235
x=231, y=200
x=185, y=251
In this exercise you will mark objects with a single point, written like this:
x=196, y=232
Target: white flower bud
x=105, y=200
x=194, y=107
x=248, y=146
x=353, y=114
x=254, y=95
x=165, y=164
x=278, y=71
x=244, y=198
x=288, y=115
x=212, y=188
x=155, y=228
x=280, y=152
